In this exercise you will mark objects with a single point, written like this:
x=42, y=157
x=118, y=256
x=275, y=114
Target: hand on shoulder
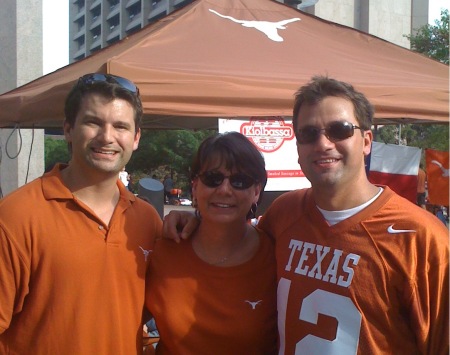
x=179, y=225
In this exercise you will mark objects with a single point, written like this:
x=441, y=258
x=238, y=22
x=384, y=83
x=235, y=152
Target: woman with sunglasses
x=216, y=292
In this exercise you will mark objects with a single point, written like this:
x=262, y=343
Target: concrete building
x=95, y=24
x=21, y=150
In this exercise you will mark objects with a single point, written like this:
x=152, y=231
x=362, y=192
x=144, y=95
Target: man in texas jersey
x=361, y=270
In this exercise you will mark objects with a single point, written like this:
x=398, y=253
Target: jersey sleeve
x=430, y=298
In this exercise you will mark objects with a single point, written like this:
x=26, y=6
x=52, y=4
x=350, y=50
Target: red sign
x=267, y=134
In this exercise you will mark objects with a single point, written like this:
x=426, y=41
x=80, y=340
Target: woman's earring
x=252, y=213
x=195, y=205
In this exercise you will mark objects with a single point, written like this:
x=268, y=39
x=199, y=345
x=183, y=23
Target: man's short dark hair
x=321, y=87
x=109, y=90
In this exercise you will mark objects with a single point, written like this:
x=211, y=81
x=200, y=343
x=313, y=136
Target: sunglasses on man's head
x=335, y=132
x=238, y=181
x=126, y=84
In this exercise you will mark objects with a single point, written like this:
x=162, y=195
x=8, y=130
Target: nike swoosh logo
x=391, y=230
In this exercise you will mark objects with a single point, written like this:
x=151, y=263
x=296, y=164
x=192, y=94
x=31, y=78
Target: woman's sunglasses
x=126, y=84
x=238, y=181
x=335, y=132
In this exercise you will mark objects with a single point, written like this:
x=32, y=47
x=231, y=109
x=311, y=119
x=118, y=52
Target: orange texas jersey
x=375, y=283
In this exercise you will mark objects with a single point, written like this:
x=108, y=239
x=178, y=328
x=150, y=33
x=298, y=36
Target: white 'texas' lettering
x=312, y=260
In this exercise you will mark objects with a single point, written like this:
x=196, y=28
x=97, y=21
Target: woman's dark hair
x=235, y=152
x=109, y=90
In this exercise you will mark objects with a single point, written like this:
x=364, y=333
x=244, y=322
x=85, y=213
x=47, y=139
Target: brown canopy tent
x=241, y=58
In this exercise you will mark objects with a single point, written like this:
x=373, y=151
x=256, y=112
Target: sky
x=434, y=9
x=55, y=34
x=56, y=31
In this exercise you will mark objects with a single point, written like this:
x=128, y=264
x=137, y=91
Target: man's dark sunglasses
x=126, y=84
x=238, y=181
x=335, y=132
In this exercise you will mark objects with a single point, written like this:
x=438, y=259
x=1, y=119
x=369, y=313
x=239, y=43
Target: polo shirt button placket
x=101, y=228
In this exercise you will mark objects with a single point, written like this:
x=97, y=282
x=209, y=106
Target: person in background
x=124, y=177
x=360, y=269
x=132, y=183
x=168, y=187
x=421, y=191
x=439, y=213
x=74, y=243
x=216, y=293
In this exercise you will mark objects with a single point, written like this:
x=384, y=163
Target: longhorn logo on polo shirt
x=270, y=29
x=145, y=252
x=253, y=304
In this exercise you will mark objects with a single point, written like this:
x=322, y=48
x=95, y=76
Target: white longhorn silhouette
x=270, y=29
x=145, y=252
x=445, y=172
x=253, y=304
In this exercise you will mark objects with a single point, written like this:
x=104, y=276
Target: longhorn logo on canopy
x=270, y=29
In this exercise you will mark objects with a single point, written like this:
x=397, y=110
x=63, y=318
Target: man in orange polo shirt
x=74, y=243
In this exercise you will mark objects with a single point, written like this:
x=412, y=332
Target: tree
x=433, y=136
x=167, y=152
x=432, y=40
x=396, y=134
x=56, y=151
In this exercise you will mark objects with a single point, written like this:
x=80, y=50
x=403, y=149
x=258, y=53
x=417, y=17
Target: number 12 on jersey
x=329, y=304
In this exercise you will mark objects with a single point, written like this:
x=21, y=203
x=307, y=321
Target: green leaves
x=56, y=151
x=170, y=152
x=433, y=40
x=433, y=136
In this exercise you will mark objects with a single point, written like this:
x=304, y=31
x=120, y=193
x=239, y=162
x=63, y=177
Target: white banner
x=274, y=138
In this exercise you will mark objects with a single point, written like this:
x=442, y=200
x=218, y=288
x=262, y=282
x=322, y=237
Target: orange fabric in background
x=421, y=177
x=438, y=176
